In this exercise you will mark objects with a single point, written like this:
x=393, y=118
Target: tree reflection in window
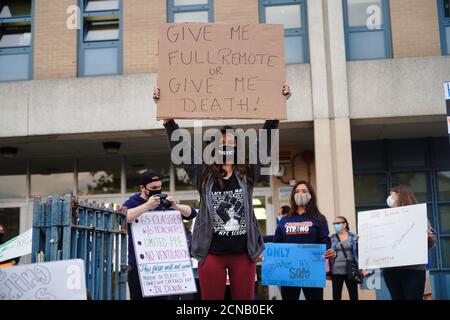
x=103, y=182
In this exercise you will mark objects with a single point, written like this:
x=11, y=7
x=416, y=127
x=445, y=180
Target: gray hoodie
x=203, y=230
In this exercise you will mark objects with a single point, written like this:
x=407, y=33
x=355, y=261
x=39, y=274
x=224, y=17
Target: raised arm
x=269, y=125
x=193, y=169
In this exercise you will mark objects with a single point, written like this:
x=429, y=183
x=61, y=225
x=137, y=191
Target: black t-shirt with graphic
x=230, y=222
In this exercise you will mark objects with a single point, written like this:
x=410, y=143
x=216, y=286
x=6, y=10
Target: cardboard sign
x=221, y=71
x=393, y=237
x=294, y=265
x=57, y=280
x=162, y=254
x=17, y=247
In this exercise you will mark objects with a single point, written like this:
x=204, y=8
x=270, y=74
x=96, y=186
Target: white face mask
x=302, y=199
x=390, y=202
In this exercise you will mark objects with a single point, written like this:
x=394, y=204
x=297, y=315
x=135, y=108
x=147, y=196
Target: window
x=13, y=179
x=418, y=181
x=368, y=155
x=51, y=176
x=291, y=14
x=444, y=211
x=99, y=176
x=263, y=182
x=102, y=30
x=179, y=11
x=445, y=245
x=10, y=220
x=411, y=153
x=100, y=42
x=101, y=5
x=370, y=189
x=138, y=164
x=443, y=180
x=443, y=192
x=444, y=18
x=182, y=181
x=367, y=29
x=15, y=8
x=16, y=40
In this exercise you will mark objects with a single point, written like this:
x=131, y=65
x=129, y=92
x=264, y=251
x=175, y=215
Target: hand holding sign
x=330, y=254
x=286, y=91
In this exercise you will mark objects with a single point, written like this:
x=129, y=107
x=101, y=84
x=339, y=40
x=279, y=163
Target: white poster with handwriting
x=57, y=280
x=393, y=237
x=162, y=254
x=17, y=247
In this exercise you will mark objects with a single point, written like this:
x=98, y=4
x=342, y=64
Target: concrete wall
x=101, y=104
x=398, y=87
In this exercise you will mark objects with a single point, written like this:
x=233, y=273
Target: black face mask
x=2, y=237
x=151, y=193
x=228, y=153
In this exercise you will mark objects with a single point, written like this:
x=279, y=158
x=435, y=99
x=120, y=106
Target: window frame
x=443, y=23
x=386, y=28
x=85, y=3
x=290, y=32
x=172, y=9
x=22, y=49
x=99, y=44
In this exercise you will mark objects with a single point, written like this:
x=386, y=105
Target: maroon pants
x=212, y=274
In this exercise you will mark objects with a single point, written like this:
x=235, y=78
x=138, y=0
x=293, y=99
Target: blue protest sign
x=295, y=265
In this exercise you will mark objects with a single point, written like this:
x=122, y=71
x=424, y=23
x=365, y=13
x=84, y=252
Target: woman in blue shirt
x=304, y=224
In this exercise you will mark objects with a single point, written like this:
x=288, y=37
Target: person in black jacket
x=226, y=233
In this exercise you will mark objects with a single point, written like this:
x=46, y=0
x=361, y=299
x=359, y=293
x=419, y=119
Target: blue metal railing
x=66, y=228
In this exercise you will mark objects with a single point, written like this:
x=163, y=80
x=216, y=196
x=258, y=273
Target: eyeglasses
x=335, y=223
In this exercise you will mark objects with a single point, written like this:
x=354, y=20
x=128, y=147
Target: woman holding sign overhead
x=226, y=233
x=406, y=282
x=304, y=224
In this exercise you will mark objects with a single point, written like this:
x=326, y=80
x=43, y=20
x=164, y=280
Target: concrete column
x=332, y=131
x=325, y=169
x=332, y=139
